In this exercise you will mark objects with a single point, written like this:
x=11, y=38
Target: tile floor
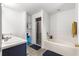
x=33, y=52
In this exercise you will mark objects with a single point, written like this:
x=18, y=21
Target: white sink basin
x=11, y=41
x=6, y=39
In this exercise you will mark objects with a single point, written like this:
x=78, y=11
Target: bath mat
x=50, y=53
x=36, y=47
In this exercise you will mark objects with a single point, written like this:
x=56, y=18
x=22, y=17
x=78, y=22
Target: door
x=38, y=31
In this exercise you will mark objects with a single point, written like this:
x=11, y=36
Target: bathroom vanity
x=14, y=46
x=19, y=50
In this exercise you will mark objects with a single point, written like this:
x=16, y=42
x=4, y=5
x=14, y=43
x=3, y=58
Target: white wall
x=29, y=22
x=13, y=22
x=0, y=28
x=61, y=27
x=46, y=24
x=45, y=27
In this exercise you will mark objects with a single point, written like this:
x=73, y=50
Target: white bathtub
x=62, y=49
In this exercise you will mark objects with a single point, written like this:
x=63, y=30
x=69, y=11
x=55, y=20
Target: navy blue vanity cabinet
x=19, y=50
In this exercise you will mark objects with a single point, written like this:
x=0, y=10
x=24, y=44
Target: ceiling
x=32, y=8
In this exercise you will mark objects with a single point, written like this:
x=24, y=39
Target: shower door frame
x=39, y=19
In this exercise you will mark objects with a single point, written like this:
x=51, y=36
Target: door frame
x=36, y=31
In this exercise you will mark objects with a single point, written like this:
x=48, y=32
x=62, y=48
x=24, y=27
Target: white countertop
x=14, y=41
